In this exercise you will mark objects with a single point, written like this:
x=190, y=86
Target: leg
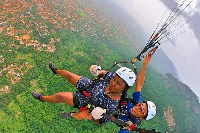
x=70, y=77
x=82, y=115
x=85, y=115
x=64, y=97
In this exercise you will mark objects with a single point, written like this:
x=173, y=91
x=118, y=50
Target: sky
x=184, y=49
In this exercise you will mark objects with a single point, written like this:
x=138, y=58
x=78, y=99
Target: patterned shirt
x=99, y=96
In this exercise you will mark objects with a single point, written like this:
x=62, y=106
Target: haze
x=183, y=50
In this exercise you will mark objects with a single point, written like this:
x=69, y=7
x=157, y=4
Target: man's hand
x=149, y=56
x=98, y=112
x=94, y=69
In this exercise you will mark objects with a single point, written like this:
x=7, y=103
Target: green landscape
x=74, y=35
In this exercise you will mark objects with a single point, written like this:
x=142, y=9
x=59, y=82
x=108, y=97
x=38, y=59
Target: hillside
x=163, y=64
x=182, y=94
x=174, y=100
x=73, y=35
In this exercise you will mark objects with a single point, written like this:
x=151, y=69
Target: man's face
x=139, y=110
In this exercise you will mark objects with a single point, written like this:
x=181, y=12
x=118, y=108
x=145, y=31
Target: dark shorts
x=83, y=84
x=75, y=100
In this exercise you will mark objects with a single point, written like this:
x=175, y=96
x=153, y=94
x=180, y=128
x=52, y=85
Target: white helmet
x=151, y=110
x=127, y=75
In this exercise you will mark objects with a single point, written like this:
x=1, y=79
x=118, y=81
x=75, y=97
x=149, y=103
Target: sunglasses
x=141, y=108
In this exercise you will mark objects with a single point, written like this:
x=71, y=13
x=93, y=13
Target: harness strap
x=119, y=122
x=91, y=104
x=83, y=108
x=123, y=103
x=132, y=127
x=86, y=95
x=142, y=130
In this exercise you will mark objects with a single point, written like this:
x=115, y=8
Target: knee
x=65, y=97
x=67, y=74
x=82, y=115
x=61, y=96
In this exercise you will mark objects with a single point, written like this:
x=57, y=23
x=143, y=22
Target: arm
x=141, y=76
x=102, y=73
x=85, y=114
x=96, y=71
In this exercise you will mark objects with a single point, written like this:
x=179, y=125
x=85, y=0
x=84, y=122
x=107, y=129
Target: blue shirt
x=137, y=96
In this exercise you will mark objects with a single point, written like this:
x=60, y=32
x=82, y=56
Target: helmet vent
x=127, y=75
x=123, y=70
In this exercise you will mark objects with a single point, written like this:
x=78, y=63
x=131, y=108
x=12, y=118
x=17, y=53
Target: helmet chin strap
x=114, y=93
